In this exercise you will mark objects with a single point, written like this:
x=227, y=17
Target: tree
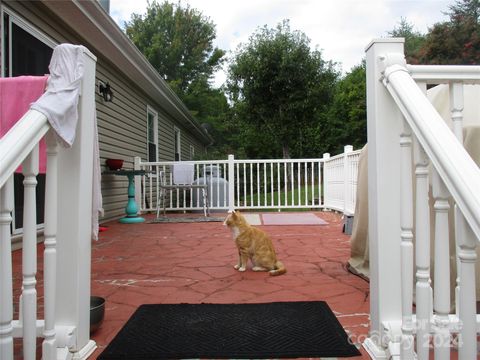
x=177, y=41
x=457, y=41
x=347, y=123
x=279, y=86
x=413, y=40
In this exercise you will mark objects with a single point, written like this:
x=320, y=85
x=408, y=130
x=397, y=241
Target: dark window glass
x=30, y=56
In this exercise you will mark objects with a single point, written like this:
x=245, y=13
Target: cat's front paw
x=242, y=268
x=236, y=267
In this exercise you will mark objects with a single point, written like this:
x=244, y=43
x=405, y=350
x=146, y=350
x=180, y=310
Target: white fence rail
x=258, y=184
x=67, y=232
x=419, y=176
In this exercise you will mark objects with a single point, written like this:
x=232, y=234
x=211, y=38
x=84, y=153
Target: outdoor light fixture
x=105, y=91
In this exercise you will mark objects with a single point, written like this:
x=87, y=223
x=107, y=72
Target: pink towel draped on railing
x=16, y=96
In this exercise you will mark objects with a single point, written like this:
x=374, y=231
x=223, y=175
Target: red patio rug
x=300, y=218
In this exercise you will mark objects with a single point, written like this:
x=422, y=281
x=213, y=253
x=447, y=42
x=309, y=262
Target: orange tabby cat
x=253, y=244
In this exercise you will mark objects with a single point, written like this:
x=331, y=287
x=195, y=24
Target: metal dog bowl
x=97, y=312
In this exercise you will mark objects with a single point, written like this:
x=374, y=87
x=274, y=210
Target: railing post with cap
x=75, y=222
x=384, y=126
x=231, y=183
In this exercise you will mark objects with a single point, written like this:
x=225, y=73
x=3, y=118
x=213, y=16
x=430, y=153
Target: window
x=192, y=152
x=24, y=51
x=177, y=145
x=152, y=135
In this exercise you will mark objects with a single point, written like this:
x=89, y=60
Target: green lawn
x=303, y=190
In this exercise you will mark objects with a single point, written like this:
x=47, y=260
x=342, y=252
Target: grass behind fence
x=258, y=199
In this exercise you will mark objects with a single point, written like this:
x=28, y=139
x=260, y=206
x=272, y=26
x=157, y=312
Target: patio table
x=131, y=209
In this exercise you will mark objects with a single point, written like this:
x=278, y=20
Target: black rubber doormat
x=231, y=331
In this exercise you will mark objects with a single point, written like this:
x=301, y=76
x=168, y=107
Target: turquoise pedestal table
x=131, y=209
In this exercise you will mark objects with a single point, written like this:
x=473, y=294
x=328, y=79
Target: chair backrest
x=183, y=173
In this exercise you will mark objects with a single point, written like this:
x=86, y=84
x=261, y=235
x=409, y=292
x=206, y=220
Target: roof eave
x=91, y=22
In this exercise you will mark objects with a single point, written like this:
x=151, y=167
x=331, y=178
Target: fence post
x=231, y=183
x=137, y=181
x=384, y=126
x=325, y=158
x=346, y=178
x=75, y=225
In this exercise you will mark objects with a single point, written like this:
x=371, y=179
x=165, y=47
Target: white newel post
x=231, y=183
x=384, y=126
x=347, y=149
x=325, y=158
x=74, y=226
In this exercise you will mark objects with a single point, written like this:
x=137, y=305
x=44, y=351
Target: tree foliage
x=177, y=41
x=456, y=41
x=348, y=115
x=280, y=87
x=414, y=40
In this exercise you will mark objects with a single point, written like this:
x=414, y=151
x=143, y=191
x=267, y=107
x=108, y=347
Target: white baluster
x=265, y=183
x=305, y=168
x=466, y=243
x=29, y=261
x=231, y=183
x=456, y=109
x=406, y=223
x=50, y=253
x=441, y=297
x=285, y=185
x=292, y=180
x=258, y=185
x=422, y=253
x=6, y=297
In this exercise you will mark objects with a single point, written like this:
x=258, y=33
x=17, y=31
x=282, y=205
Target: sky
x=341, y=29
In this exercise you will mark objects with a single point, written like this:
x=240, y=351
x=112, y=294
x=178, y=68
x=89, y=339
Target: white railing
x=410, y=150
x=258, y=184
x=67, y=233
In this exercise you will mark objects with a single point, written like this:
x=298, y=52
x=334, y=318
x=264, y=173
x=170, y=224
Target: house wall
x=122, y=123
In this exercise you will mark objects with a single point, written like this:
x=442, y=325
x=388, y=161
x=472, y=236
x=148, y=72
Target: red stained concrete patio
x=145, y=263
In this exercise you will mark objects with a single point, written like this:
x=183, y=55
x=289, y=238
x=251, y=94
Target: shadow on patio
x=145, y=263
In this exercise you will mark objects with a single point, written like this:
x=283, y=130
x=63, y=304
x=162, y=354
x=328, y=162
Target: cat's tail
x=279, y=269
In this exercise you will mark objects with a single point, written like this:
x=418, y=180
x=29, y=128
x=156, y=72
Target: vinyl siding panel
x=122, y=123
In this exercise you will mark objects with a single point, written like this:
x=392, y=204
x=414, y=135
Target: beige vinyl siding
x=121, y=123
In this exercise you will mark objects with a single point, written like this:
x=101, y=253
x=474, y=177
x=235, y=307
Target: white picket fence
x=67, y=232
x=411, y=148
x=282, y=184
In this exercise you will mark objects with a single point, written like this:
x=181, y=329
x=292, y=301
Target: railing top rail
x=340, y=156
x=275, y=161
x=441, y=74
x=199, y=162
x=19, y=141
x=237, y=161
x=456, y=168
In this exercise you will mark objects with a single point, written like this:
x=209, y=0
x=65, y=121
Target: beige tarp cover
x=439, y=96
